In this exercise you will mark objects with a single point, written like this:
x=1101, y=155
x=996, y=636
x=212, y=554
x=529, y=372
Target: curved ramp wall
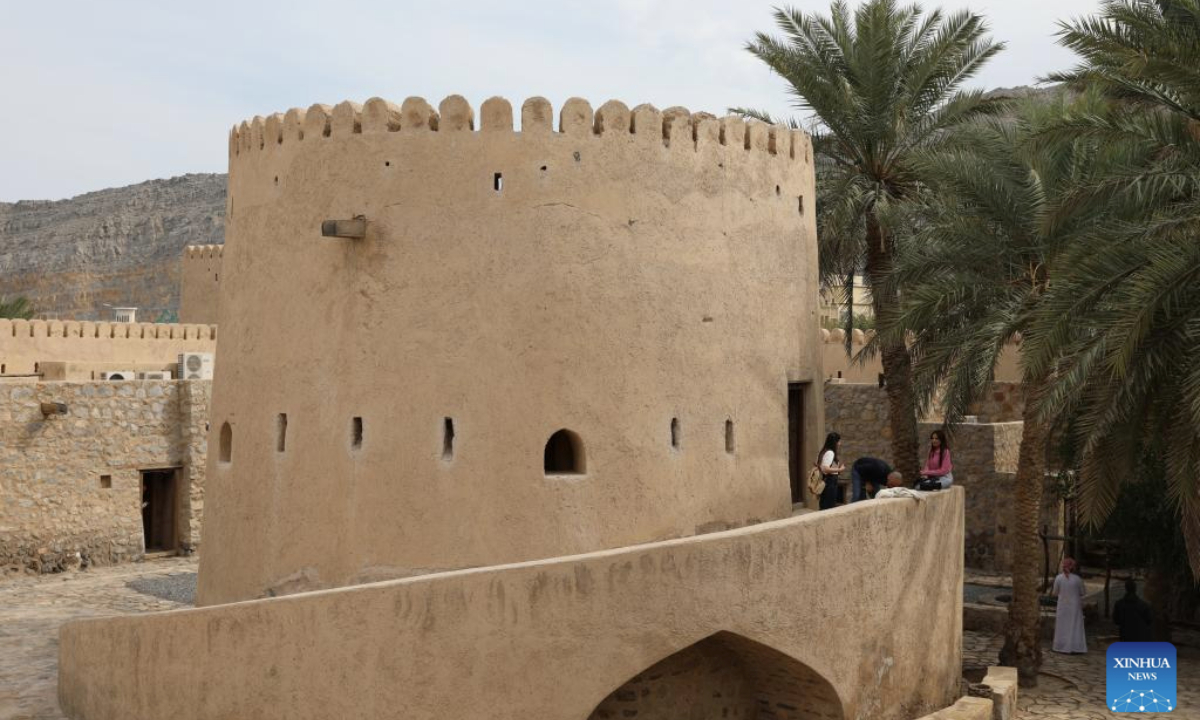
x=796, y=617
x=644, y=279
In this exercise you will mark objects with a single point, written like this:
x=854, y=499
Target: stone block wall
x=985, y=461
x=1005, y=402
x=70, y=484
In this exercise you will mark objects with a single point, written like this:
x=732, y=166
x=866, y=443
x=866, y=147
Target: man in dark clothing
x=872, y=471
x=1132, y=615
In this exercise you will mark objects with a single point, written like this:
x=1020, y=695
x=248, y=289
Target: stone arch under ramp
x=725, y=675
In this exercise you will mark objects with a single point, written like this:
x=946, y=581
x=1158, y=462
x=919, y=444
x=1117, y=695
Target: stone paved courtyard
x=33, y=608
x=1071, y=687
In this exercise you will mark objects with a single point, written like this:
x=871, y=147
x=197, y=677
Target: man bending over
x=869, y=475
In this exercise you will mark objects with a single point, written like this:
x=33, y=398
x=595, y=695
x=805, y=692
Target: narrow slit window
x=564, y=454
x=281, y=432
x=675, y=433
x=800, y=204
x=498, y=182
x=448, y=439
x=356, y=433
x=225, y=443
x=729, y=441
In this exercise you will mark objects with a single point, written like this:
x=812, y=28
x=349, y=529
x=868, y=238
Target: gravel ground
x=179, y=587
x=985, y=594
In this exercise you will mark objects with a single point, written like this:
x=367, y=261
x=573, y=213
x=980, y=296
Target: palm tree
x=1002, y=211
x=17, y=308
x=882, y=81
x=1126, y=309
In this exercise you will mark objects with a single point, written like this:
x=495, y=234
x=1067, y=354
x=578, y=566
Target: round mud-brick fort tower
x=446, y=343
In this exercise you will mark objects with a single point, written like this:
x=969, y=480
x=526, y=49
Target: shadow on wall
x=723, y=676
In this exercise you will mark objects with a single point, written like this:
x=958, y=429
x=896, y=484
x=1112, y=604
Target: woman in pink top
x=938, y=466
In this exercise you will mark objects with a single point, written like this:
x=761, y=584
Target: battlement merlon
x=203, y=252
x=675, y=128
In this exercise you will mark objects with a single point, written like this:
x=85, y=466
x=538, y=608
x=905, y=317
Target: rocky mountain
x=1040, y=94
x=123, y=246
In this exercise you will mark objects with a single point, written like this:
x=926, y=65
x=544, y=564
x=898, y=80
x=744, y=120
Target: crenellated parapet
x=203, y=252
x=838, y=336
x=27, y=346
x=16, y=330
x=676, y=127
x=768, y=162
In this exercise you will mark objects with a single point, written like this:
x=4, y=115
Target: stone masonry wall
x=1005, y=402
x=985, y=460
x=70, y=485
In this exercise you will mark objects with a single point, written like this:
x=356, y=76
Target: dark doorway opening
x=159, y=503
x=797, y=468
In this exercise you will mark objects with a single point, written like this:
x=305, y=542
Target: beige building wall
x=200, y=284
x=837, y=363
x=95, y=346
x=70, y=484
x=615, y=273
x=847, y=614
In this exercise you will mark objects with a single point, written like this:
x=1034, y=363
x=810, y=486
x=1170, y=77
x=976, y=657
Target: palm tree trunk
x=1159, y=595
x=897, y=367
x=1022, y=633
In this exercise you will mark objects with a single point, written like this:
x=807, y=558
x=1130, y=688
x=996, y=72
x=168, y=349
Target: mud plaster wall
x=200, y=284
x=24, y=344
x=55, y=511
x=607, y=273
x=553, y=639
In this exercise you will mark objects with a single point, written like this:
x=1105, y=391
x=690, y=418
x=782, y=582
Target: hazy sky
x=101, y=94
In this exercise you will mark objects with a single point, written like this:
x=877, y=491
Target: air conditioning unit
x=196, y=366
x=116, y=375
x=156, y=375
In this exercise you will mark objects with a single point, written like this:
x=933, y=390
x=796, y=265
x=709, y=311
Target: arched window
x=226, y=443
x=564, y=454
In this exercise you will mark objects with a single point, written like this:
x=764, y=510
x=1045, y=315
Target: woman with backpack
x=830, y=467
